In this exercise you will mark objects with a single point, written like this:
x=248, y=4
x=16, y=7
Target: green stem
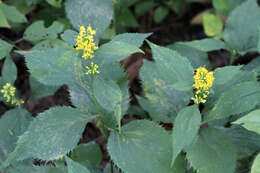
x=98, y=110
x=111, y=167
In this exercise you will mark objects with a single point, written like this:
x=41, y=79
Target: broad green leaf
x=21, y=6
x=74, y=167
x=212, y=25
x=12, y=124
x=241, y=30
x=237, y=99
x=52, y=66
x=253, y=65
x=245, y=142
x=223, y=82
x=69, y=36
x=116, y=51
x=135, y=39
x=50, y=43
x=107, y=93
x=5, y=48
x=256, y=165
x=143, y=7
x=221, y=76
x=221, y=6
x=206, y=45
x=9, y=71
x=3, y=21
x=160, y=13
x=55, y=3
x=186, y=126
x=163, y=101
x=54, y=126
x=37, y=31
x=212, y=152
x=12, y=14
x=142, y=147
x=23, y=167
x=126, y=18
x=251, y=121
x=39, y=90
x=125, y=3
x=97, y=13
x=88, y=154
x=197, y=57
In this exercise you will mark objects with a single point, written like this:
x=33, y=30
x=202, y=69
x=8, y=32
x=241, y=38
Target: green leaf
x=186, y=127
x=142, y=147
x=245, y=142
x=5, y=48
x=54, y=126
x=205, y=45
x=223, y=82
x=143, y=7
x=197, y=57
x=74, y=167
x=52, y=66
x=251, y=121
x=9, y=71
x=212, y=25
x=222, y=6
x=236, y=36
x=37, y=31
x=107, y=93
x=126, y=18
x=212, y=152
x=55, y=3
x=125, y=3
x=97, y=13
x=160, y=14
x=163, y=101
x=23, y=167
x=115, y=51
x=39, y=90
x=69, y=36
x=118, y=116
x=12, y=14
x=87, y=155
x=238, y=99
x=3, y=21
x=256, y=165
x=50, y=43
x=22, y=6
x=135, y=39
x=12, y=124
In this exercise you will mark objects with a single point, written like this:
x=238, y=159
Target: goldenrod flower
x=92, y=69
x=8, y=92
x=85, y=42
x=203, y=81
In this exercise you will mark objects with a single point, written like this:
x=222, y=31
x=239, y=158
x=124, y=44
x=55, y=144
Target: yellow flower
x=203, y=81
x=85, y=42
x=8, y=92
x=92, y=69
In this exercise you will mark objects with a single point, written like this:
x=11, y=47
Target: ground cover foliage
x=115, y=86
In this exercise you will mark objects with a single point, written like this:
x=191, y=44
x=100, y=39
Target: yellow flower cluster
x=92, y=69
x=203, y=81
x=8, y=92
x=85, y=42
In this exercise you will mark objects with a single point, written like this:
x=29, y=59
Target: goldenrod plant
x=189, y=116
